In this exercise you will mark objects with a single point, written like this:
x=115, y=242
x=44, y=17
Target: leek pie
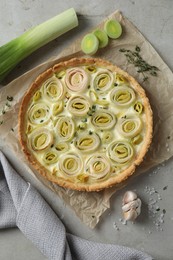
x=85, y=124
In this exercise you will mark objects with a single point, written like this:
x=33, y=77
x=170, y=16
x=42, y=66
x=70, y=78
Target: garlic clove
x=139, y=202
x=138, y=209
x=131, y=206
x=129, y=196
x=126, y=207
x=130, y=215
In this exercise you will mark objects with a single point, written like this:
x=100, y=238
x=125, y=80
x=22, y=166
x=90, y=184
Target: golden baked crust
x=82, y=183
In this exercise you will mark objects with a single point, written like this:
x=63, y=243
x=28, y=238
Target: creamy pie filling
x=86, y=124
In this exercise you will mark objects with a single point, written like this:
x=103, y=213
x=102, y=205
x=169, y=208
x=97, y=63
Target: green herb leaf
x=123, y=50
x=134, y=57
x=9, y=98
x=137, y=49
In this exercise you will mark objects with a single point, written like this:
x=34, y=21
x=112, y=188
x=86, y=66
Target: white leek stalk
x=16, y=50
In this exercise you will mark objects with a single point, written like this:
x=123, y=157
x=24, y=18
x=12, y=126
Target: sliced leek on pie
x=87, y=143
x=102, y=81
x=85, y=124
x=78, y=105
x=122, y=96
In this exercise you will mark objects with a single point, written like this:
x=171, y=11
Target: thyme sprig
x=134, y=57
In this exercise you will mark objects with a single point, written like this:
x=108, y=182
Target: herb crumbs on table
x=164, y=211
x=10, y=98
x=165, y=188
x=143, y=67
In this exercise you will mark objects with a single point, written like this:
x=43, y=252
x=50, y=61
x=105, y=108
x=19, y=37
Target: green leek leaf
x=16, y=50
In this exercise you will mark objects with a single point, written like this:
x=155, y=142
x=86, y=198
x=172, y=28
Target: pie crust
x=85, y=124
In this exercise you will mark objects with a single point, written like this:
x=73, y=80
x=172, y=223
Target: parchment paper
x=90, y=206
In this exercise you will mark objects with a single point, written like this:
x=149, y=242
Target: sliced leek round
x=102, y=37
x=87, y=142
x=65, y=128
x=62, y=147
x=137, y=139
x=70, y=164
x=98, y=166
x=113, y=28
x=41, y=139
x=37, y=95
x=120, y=152
x=138, y=107
x=130, y=127
x=102, y=81
x=57, y=108
x=53, y=89
x=85, y=124
x=50, y=157
x=122, y=96
x=103, y=119
x=121, y=80
x=77, y=79
x=91, y=69
x=78, y=105
x=39, y=113
x=90, y=44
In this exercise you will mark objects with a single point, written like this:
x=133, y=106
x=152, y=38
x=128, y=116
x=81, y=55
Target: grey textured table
x=152, y=232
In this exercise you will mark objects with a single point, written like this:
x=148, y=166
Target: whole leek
x=16, y=50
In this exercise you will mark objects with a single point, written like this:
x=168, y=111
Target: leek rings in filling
x=130, y=127
x=121, y=80
x=77, y=79
x=120, y=152
x=122, y=96
x=103, y=119
x=87, y=142
x=39, y=113
x=78, y=105
x=57, y=108
x=50, y=157
x=37, y=96
x=103, y=81
x=41, y=139
x=65, y=128
x=70, y=164
x=98, y=166
x=53, y=89
x=138, y=107
x=62, y=147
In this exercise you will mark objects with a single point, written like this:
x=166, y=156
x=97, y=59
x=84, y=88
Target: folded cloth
x=22, y=206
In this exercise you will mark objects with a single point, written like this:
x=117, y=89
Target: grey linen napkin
x=22, y=206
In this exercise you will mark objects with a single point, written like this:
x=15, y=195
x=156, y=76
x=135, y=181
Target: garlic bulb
x=131, y=206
